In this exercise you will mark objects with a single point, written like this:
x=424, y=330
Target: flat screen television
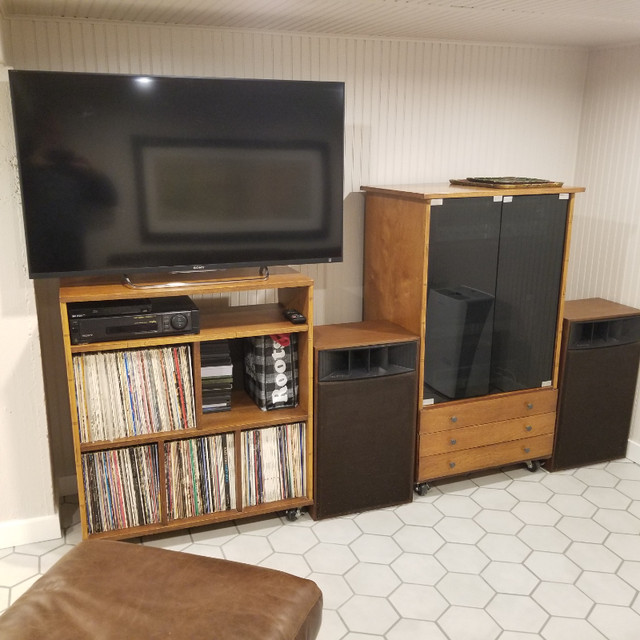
x=124, y=173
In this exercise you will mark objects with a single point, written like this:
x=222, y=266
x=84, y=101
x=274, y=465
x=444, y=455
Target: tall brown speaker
x=365, y=417
x=597, y=384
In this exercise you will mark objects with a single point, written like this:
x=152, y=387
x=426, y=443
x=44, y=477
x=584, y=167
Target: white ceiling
x=587, y=23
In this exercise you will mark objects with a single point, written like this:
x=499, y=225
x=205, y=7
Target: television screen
x=124, y=173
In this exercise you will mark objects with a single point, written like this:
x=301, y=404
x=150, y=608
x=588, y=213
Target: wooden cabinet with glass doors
x=479, y=274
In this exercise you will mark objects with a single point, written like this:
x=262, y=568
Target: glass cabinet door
x=494, y=276
x=462, y=271
x=532, y=239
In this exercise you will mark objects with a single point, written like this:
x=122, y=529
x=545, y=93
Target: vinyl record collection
x=127, y=393
x=217, y=376
x=200, y=475
x=273, y=463
x=122, y=488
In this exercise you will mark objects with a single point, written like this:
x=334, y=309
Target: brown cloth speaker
x=365, y=417
x=597, y=384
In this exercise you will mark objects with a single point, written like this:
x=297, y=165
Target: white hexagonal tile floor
x=502, y=555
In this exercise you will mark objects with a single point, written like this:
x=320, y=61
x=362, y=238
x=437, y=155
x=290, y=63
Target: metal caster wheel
x=532, y=465
x=292, y=514
x=422, y=488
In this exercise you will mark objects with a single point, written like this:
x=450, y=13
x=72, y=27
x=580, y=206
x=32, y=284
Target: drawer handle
x=453, y=441
x=529, y=405
x=527, y=449
x=454, y=419
x=528, y=427
x=452, y=465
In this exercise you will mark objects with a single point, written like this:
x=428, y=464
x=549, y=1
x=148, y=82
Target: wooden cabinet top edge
x=103, y=288
x=359, y=334
x=437, y=191
x=596, y=309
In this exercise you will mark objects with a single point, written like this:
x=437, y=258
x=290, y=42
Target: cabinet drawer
x=453, y=415
x=483, y=434
x=495, y=455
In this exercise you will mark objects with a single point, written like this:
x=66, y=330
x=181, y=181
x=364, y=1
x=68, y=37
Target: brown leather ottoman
x=103, y=589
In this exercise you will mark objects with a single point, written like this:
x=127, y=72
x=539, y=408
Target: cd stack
x=217, y=376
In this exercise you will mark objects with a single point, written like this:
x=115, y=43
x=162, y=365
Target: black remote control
x=294, y=316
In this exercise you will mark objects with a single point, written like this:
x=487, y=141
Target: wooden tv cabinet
x=142, y=472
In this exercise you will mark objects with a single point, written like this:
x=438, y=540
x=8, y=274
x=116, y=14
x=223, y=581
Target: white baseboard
x=15, y=533
x=633, y=451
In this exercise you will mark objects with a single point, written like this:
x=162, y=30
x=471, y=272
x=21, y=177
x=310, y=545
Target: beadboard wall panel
x=415, y=111
x=605, y=261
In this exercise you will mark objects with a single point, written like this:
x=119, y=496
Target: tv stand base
x=195, y=277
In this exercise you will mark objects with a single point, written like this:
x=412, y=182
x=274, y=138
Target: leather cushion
x=104, y=589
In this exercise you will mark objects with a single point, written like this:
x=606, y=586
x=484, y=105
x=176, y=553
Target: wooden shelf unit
x=218, y=322
x=459, y=435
